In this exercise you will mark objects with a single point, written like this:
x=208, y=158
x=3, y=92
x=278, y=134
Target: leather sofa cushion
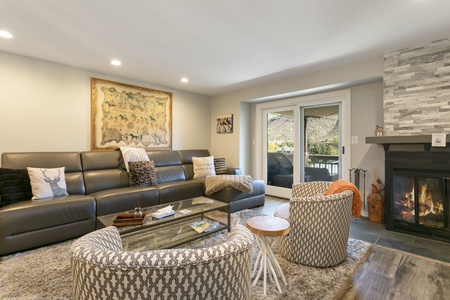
x=33, y=215
x=186, y=160
x=70, y=160
x=100, y=180
x=29, y=224
x=170, y=174
x=101, y=160
x=164, y=157
x=123, y=199
x=174, y=191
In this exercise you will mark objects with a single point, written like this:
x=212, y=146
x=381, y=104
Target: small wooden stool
x=265, y=228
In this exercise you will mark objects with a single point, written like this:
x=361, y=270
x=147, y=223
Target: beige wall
x=367, y=112
x=46, y=107
x=367, y=100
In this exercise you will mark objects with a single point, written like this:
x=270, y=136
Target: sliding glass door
x=304, y=141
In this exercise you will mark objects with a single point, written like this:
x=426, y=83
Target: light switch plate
x=354, y=139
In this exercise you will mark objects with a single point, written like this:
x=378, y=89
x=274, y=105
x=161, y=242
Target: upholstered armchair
x=102, y=270
x=319, y=225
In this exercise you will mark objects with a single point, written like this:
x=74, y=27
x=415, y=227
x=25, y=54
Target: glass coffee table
x=172, y=231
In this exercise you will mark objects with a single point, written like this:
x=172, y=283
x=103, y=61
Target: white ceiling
x=220, y=46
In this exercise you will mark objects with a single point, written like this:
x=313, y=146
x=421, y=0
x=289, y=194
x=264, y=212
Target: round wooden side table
x=266, y=229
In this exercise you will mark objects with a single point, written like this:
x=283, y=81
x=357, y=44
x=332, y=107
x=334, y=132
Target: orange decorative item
x=341, y=185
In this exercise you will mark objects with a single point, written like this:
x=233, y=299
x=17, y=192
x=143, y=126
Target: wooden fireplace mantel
x=424, y=140
x=402, y=139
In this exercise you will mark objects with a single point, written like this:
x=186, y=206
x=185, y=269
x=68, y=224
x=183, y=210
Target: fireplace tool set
x=357, y=178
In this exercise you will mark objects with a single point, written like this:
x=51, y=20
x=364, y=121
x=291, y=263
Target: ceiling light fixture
x=116, y=62
x=5, y=34
x=184, y=80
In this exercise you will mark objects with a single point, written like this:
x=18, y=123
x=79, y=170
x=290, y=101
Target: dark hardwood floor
x=398, y=266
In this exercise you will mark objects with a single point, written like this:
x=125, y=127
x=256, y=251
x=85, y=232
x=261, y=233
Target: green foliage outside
x=324, y=147
x=281, y=147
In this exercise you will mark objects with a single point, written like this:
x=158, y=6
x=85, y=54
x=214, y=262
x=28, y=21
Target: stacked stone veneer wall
x=417, y=89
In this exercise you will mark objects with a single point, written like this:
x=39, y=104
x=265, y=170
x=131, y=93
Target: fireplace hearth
x=417, y=189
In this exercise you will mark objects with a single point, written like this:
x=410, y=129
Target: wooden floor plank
x=390, y=274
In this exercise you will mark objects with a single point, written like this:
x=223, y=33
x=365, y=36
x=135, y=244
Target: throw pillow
x=47, y=183
x=133, y=154
x=14, y=186
x=220, y=166
x=142, y=173
x=203, y=166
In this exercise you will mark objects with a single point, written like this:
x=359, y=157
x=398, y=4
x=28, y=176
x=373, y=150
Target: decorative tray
x=127, y=219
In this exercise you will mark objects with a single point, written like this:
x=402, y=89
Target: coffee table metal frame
x=196, y=207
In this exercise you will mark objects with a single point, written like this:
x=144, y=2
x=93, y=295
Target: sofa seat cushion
x=122, y=199
x=179, y=190
x=33, y=223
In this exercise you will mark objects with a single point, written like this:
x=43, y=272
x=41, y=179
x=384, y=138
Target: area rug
x=44, y=273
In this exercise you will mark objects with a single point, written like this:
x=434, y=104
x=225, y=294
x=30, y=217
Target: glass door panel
x=280, y=148
x=321, y=140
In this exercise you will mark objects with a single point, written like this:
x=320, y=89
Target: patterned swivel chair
x=102, y=270
x=319, y=225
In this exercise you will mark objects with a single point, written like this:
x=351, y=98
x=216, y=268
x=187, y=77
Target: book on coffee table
x=200, y=225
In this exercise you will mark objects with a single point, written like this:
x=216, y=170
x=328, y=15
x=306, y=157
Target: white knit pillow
x=133, y=154
x=203, y=166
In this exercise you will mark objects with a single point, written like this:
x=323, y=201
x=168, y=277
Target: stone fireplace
x=417, y=190
x=416, y=105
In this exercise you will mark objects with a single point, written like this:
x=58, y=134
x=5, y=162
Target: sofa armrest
x=234, y=171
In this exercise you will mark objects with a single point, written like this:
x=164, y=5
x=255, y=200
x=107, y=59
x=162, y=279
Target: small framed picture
x=224, y=124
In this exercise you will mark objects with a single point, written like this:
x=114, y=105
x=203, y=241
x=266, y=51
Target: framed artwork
x=127, y=115
x=224, y=124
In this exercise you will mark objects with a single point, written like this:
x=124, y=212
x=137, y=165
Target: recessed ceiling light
x=116, y=62
x=184, y=80
x=5, y=34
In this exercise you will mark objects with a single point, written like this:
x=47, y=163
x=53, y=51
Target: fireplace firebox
x=417, y=188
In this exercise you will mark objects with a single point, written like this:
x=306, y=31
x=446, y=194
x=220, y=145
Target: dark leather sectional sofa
x=97, y=184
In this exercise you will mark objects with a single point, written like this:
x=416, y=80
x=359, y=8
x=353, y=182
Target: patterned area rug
x=44, y=273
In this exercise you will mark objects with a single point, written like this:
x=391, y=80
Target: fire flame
x=425, y=201
x=426, y=204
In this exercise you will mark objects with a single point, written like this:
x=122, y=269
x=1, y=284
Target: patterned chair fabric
x=319, y=225
x=102, y=270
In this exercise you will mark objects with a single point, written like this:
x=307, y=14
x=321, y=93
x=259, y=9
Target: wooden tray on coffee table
x=127, y=219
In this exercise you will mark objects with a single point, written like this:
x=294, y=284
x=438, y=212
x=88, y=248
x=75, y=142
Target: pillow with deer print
x=47, y=183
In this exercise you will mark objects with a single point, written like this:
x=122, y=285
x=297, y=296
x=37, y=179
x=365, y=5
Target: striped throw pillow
x=220, y=166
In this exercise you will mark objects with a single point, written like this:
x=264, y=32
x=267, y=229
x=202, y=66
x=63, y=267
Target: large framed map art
x=127, y=115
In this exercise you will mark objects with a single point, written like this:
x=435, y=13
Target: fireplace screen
x=419, y=200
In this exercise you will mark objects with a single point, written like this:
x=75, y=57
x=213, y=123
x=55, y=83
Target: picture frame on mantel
x=224, y=124
x=127, y=115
